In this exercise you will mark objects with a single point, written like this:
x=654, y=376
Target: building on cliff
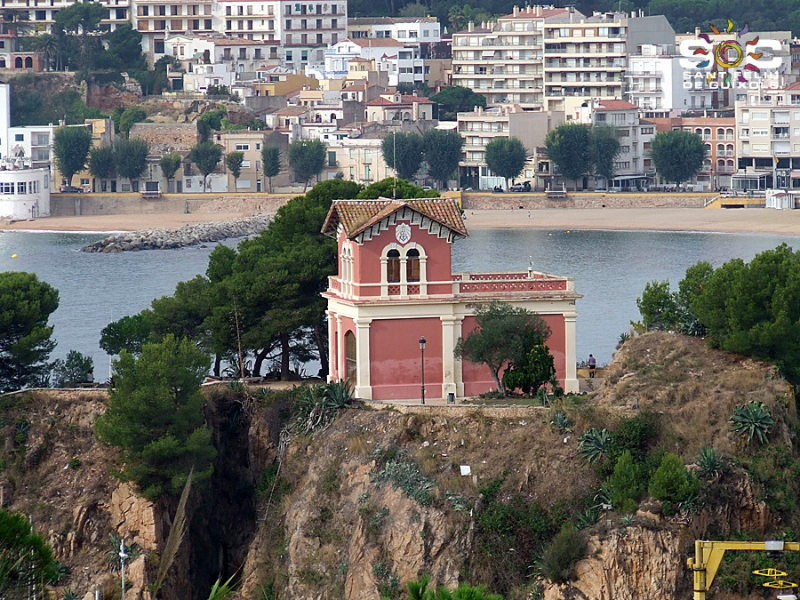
x=395, y=285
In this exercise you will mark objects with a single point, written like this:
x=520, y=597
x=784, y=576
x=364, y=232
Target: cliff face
x=381, y=497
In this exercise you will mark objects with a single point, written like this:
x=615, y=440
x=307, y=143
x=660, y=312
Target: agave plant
x=594, y=445
x=709, y=462
x=340, y=392
x=752, y=420
x=587, y=518
x=561, y=422
x=69, y=594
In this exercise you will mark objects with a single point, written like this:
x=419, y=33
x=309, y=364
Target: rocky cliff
x=381, y=496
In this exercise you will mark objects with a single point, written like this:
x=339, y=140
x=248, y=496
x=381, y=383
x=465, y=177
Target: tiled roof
x=615, y=105
x=358, y=215
x=405, y=100
x=377, y=43
x=546, y=12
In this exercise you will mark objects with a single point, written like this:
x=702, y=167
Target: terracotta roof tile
x=377, y=42
x=615, y=105
x=357, y=215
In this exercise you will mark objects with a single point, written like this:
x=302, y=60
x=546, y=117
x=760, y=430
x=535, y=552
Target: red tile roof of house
x=615, y=105
x=356, y=216
x=377, y=42
x=405, y=100
x=546, y=12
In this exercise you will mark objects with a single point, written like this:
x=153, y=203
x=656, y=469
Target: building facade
x=24, y=192
x=395, y=286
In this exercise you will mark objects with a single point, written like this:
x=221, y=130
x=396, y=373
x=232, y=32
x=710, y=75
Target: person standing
x=592, y=362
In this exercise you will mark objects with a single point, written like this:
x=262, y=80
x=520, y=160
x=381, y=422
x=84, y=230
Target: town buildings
x=395, y=288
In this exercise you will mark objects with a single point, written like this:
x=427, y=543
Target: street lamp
x=422, y=355
x=123, y=556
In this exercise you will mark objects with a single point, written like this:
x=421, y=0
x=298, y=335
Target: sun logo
x=729, y=54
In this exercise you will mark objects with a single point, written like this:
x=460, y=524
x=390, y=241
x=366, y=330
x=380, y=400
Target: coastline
x=749, y=220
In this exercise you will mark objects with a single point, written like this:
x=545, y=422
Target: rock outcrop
x=189, y=235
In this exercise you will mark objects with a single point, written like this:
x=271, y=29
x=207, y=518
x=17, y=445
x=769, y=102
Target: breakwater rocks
x=189, y=235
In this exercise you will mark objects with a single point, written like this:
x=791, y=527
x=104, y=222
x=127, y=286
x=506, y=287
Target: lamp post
x=422, y=362
x=123, y=556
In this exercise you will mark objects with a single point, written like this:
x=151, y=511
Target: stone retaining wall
x=481, y=201
x=73, y=205
x=462, y=410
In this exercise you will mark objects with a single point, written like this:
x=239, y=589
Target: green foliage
x=594, y=445
x=404, y=475
x=103, y=162
x=71, y=147
x=752, y=420
x=132, y=157
x=129, y=333
x=455, y=99
x=133, y=114
x=218, y=90
x=25, y=344
x=73, y=370
x=709, y=462
x=625, y=484
x=754, y=308
x=566, y=549
x=31, y=105
x=400, y=189
x=315, y=406
x=403, y=152
x=206, y=155
x=504, y=334
x=234, y=160
x=677, y=155
x=25, y=557
x=74, y=463
x=83, y=18
x=442, y=153
x=221, y=589
x=506, y=157
x=657, y=306
x=271, y=162
x=170, y=163
x=155, y=415
x=672, y=481
x=307, y=160
x=569, y=147
x=561, y=422
x=537, y=369
x=125, y=44
x=605, y=147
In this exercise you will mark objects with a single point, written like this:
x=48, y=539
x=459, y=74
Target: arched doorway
x=350, y=362
x=28, y=62
x=18, y=62
x=393, y=266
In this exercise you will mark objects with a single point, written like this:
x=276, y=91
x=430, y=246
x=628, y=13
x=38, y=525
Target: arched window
x=720, y=148
x=720, y=163
x=18, y=62
x=350, y=363
x=720, y=133
x=412, y=265
x=707, y=133
x=2, y=63
x=28, y=62
x=698, y=131
x=393, y=266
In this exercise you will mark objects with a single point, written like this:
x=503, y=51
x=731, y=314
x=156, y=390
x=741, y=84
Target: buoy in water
x=13, y=256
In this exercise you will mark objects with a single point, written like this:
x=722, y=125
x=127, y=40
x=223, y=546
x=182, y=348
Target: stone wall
x=73, y=205
x=476, y=201
x=166, y=137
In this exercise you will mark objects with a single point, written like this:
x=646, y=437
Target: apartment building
x=408, y=30
x=358, y=158
x=768, y=139
x=250, y=144
x=40, y=14
x=236, y=54
x=552, y=58
x=156, y=20
x=655, y=83
x=719, y=134
x=633, y=168
x=252, y=19
x=398, y=107
x=481, y=126
x=308, y=29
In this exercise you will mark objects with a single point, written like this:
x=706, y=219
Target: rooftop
x=355, y=216
x=376, y=42
x=615, y=105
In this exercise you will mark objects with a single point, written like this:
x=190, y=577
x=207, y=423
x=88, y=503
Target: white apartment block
x=655, y=83
x=235, y=54
x=307, y=30
x=408, y=30
x=552, y=58
x=633, y=167
x=768, y=139
x=41, y=13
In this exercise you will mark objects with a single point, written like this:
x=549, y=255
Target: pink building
x=395, y=285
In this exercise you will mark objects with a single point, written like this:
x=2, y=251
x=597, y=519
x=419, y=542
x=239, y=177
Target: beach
x=748, y=220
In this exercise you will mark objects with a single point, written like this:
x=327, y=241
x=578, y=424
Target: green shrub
x=74, y=463
x=709, y=462
x=567, y=548
x=752, y=420
x=594, y=445
x=625, y=484
x=672, y=481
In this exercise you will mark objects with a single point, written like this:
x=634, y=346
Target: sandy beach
x=751, y=220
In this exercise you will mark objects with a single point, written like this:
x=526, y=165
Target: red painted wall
x=396, y=363
x=478, y=377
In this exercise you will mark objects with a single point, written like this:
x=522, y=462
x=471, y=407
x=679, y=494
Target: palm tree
x=47, y=45
x=456, y=17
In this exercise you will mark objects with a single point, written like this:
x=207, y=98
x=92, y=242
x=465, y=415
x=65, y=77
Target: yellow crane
x=708, y=556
